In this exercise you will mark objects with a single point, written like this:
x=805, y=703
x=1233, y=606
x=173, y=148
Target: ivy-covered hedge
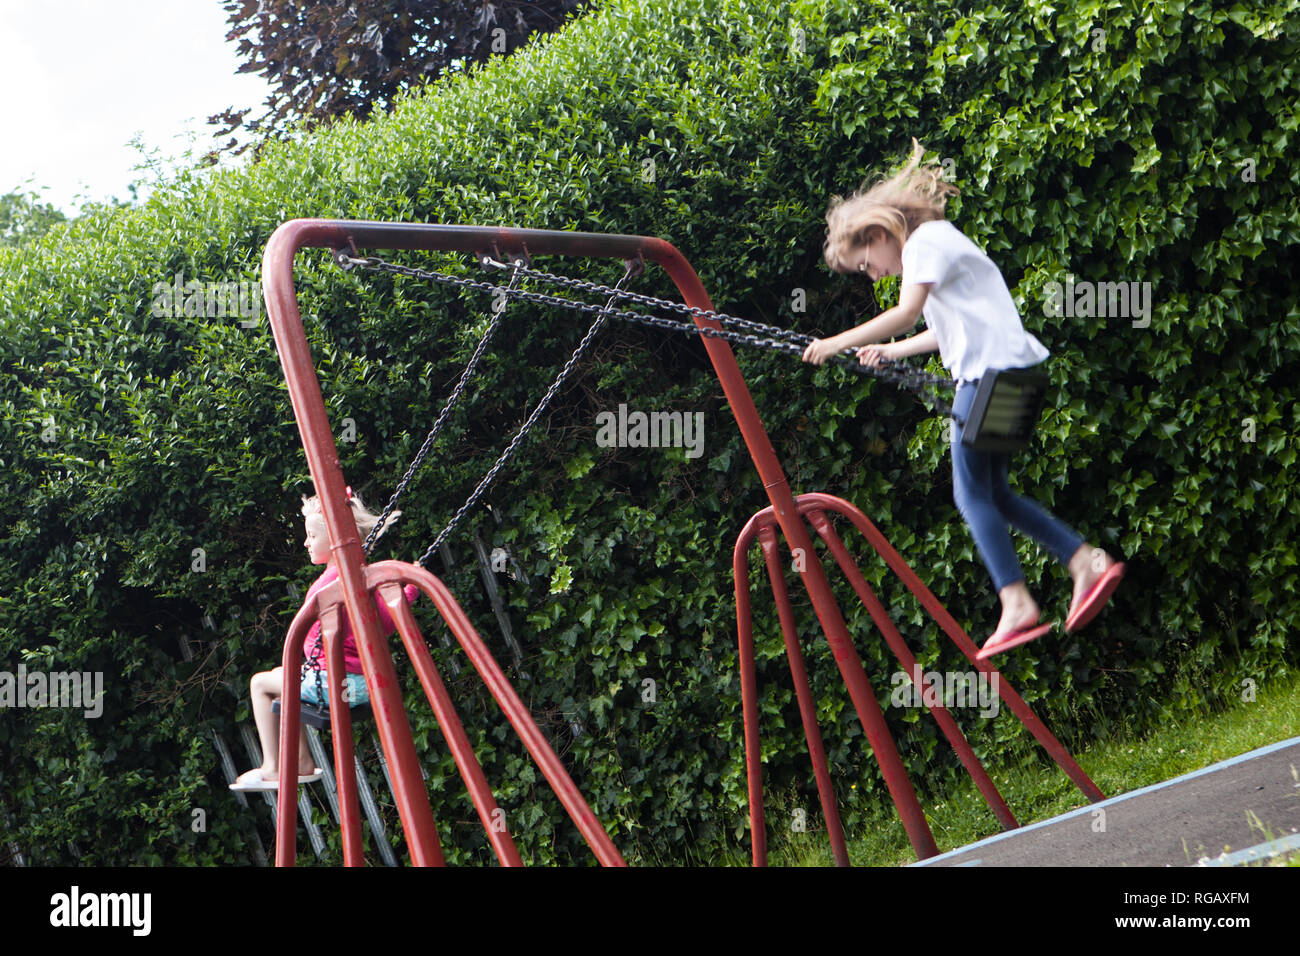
x=151, y=468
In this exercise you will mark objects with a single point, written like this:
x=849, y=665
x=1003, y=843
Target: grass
x=1035, y=791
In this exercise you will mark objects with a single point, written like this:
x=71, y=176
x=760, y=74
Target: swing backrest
x=1007, y=406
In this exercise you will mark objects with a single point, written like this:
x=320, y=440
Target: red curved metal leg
x=462, y=751
x=508, y=701
x=814, y=507
x=749, y=698
x=807, y=706
x=959, y=637
x=817, y=518
x=395, y=733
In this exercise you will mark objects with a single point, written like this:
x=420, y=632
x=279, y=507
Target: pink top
x=351, y=660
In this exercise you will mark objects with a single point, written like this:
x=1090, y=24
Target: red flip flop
x=1089, y=606
x=1006, y=640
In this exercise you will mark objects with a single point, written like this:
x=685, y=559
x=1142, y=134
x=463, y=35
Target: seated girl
x=266, y=687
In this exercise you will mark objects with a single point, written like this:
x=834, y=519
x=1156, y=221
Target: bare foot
x=273, y=772
x=1086, y=567
x=253, y=780
x=1019, y=610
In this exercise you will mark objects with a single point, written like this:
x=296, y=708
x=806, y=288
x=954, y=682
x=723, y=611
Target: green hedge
x=1151, y=151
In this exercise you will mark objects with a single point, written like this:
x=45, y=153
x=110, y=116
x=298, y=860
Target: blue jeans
x=986, y=501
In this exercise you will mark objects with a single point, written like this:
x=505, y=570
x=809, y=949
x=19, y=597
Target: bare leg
x=265, y=688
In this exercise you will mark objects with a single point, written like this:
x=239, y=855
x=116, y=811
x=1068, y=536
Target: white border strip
x=1242, y=758
x=1260, y=851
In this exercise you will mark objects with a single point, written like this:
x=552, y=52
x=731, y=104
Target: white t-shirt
x=969, y=307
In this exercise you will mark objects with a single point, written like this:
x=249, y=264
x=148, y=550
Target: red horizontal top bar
x=340, y=233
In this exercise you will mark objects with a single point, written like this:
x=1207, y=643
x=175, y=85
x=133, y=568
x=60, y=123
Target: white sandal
x=253, y=780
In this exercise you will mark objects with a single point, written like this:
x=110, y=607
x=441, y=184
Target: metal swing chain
x=584, y=285
x=768, y=337
x=616, y=292
x=465, y=376
x=340, y=256
x=758, y=335
x=901, y=374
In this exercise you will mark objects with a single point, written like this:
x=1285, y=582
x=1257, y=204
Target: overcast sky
x=80, y=78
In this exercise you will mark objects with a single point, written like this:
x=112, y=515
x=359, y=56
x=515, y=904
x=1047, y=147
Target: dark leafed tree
x=330, y=57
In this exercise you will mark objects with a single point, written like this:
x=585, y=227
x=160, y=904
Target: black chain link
x=583, y=285
x=770, y=337
x=314, y=662
x=758, y=335
x=900, y=373
x=515, y=442
x=465, y=376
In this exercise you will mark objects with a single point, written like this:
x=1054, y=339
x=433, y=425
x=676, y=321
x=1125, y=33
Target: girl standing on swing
x=898, y=227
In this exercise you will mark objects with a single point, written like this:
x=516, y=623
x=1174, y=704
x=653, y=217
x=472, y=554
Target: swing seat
x=1007, y=406
x=319, y=717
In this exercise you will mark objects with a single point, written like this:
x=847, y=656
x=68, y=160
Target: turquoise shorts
x=354, y=689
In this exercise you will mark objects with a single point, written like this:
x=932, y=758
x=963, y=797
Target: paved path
x=1174, y=823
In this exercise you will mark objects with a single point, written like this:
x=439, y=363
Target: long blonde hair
x=364, y=517
x=915, y=194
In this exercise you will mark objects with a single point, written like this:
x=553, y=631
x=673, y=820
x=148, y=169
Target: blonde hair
x=364, y=517
x=897, y=205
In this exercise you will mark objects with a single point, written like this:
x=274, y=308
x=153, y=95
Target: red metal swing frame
x=386, y=578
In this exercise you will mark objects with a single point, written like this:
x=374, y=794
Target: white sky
x=80, y=78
